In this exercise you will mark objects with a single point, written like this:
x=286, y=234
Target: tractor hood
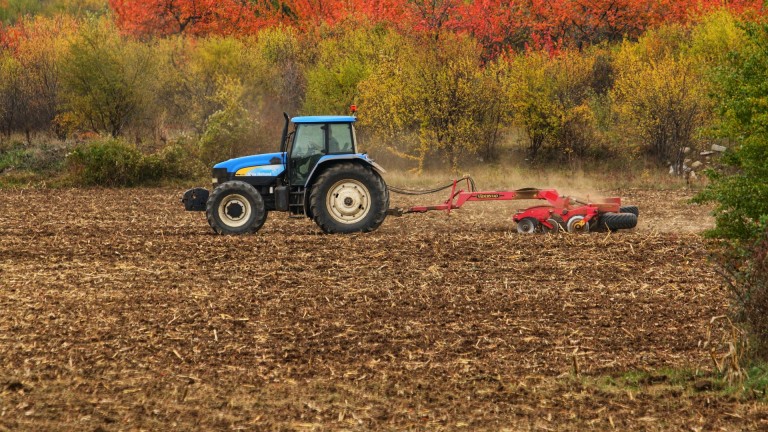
x=271, y=163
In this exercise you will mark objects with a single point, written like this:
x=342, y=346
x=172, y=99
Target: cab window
x=339, y=138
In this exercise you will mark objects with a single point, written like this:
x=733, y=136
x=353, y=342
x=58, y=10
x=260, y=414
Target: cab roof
x=324, y=119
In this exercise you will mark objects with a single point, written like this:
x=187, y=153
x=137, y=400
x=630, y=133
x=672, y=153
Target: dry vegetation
x=122, y=312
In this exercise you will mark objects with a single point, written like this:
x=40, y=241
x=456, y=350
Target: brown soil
x=120, y=311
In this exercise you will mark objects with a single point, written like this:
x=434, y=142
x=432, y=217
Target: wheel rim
x=526, y=226
x=348, y=201
x=234, y=210
x=577, y=225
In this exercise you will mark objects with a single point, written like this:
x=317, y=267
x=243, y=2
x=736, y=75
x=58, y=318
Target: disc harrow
x=561, y=213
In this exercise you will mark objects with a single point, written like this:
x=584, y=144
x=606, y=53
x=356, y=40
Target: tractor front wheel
x=235, y=207
x=349, y=197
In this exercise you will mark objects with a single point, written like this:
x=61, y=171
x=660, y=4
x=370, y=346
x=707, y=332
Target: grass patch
x=688, y=381
x=754, y=386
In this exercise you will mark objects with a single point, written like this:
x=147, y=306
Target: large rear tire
x=349, y=197
x=235, y=207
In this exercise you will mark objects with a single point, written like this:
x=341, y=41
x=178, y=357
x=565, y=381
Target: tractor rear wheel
x=235, y=207
x=349, y=197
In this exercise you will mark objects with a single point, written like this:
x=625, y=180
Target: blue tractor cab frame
x=318, y=173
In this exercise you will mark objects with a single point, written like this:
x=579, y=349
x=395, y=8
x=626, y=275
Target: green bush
x=109, y=162
x=739, y=187
x=14, y=156
x=40, y=160
x=114, y=162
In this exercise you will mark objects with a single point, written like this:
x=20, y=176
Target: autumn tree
x=12, y=93
x=284, y=57
x=109, y=82
x=442, y=93
x=228, y=130
x=193, y=17
x=344, y=61
x=661, y=96
x=41, y=48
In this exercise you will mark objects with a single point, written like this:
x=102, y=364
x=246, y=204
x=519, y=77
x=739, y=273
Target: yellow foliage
x=661, y=98
x=548, y=97
x=439, y=91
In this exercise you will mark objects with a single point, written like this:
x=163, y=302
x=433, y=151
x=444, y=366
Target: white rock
x=718, y=148
x=696, y=164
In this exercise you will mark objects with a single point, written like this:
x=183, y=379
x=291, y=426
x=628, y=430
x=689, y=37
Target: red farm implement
x=561, y=213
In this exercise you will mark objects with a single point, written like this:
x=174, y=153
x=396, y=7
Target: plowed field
x=120, y=311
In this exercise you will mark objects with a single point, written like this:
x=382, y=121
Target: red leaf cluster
x=497, y=24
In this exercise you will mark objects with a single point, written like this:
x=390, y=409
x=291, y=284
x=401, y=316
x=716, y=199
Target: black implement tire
x=617, y=221
x=349, y=197
x=630, y=209
x=235, y=207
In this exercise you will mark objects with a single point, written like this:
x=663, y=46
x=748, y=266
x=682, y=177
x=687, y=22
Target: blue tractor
x=318, y=173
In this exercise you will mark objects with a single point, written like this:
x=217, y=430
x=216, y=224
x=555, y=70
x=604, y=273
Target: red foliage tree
x=497, y=24
x=193, y=17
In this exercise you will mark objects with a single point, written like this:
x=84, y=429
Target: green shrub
x=114, y=162
x=173, y=162
x=739, y=187
x=14, y=156
x=108, y=162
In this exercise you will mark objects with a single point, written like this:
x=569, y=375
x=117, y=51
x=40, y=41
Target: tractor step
x=296, y=203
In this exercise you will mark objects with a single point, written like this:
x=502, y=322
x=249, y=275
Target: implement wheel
x=235, y=207
x=630, y=209
x=617, y=221
x=527, y=225
x=557, y=226
x=349, y=197
x=577, y=225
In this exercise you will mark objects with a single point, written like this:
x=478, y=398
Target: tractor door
x=308, y=147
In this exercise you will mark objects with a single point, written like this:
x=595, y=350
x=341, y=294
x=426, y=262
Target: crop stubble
x=120, y=311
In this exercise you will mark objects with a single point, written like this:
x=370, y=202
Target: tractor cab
x=313, y=139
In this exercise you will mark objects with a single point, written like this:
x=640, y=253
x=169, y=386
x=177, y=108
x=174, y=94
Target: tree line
x=426, y=87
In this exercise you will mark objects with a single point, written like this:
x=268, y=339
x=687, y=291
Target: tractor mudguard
x=356, y=156
x=195, y=199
